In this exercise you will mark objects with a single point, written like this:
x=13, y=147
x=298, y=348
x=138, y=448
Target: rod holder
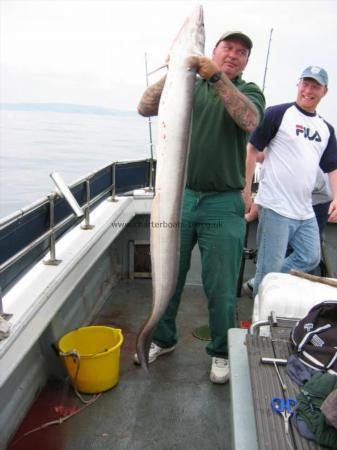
x=66, y=193
x=52, y=261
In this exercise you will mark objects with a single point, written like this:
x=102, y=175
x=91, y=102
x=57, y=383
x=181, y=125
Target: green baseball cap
x=237, y=35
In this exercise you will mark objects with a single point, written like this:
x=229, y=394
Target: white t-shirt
x=296, y=143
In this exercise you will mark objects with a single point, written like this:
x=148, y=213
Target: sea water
x=33, y=144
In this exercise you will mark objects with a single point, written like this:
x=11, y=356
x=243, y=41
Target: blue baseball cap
x=316, y=73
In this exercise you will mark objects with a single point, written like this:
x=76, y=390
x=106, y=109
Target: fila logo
x=300, y=129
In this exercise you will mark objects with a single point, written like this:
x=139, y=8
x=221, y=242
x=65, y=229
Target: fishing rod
x=258, y=165
x=267, y=58
x=150, y=130
x=251, y=253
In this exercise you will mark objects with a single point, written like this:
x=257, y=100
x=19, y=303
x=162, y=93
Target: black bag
x=315, y=337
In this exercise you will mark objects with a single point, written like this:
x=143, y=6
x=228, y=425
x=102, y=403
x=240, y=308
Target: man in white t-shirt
x=296, y=141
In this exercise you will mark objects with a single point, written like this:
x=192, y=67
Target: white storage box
x=289, y=296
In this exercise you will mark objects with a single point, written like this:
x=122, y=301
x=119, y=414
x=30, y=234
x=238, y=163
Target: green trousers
x=216, y=222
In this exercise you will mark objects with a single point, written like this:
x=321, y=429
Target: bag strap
x=332, y=361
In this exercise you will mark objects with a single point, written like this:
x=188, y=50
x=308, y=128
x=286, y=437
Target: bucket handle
x=75, y=354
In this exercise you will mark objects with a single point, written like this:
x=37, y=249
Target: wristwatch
x=214, y=78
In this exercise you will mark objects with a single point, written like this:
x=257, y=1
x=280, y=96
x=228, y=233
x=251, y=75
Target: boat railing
x=32, y=232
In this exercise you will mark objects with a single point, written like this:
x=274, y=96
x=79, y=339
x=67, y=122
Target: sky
x=91, y=52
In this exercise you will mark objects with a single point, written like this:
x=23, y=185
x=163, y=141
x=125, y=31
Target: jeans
x=274, y=233
x=216, y=222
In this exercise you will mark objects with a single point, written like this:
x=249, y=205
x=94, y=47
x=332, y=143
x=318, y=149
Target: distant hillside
x=65, y=108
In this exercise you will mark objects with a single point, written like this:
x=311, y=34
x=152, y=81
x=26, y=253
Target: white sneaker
x=154, y=352
x=219, y=371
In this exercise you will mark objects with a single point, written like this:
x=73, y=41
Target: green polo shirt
x=217, y=154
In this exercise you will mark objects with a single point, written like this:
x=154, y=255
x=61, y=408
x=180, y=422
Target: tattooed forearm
x=149, y=103
x=241, y=109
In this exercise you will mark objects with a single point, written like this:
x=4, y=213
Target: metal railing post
x=151, y=179
x=86, y=225
x=3, y=315
x=52, y=261
x=113, y=184
x=1, y=305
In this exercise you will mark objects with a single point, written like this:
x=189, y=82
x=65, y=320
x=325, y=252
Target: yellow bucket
x=93, y=352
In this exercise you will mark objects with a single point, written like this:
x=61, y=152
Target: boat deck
x=174, y=407
x=266, y=385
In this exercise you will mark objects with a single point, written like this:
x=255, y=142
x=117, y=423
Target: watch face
x=214, y=78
